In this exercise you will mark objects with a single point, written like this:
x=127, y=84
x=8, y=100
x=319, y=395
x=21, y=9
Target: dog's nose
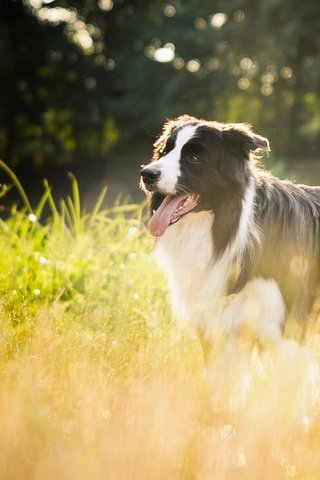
x=150, y=174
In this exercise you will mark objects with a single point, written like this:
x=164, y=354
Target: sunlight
x=243, y=83
x=77, y=30
x=107, y=373
x=106, y=5
x=169, y=11
x=164, y=54
x=56, y=15
x=218, y=20
x=82, y=37
x=32, y=217
x=286, y=72
x=193, y=65
x=246, y=63
x=34, y=3
x=99, y=379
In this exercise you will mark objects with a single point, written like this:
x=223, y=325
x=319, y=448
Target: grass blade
x=98, y=204
x=51, y=201
x=76, y=197
x=17, y=184
x=43, y=200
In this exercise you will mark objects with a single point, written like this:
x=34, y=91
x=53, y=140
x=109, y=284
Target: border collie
x=241, y=248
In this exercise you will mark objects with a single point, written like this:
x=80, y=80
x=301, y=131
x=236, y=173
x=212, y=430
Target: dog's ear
x=238, y=138
x=167, y=129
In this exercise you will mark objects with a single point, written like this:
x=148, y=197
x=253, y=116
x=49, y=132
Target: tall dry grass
x=98, y=381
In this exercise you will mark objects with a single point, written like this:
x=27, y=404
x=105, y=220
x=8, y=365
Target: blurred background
x=85, y=85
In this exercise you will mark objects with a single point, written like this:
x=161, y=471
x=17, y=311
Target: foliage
x=79, y=79
x=66, y=260
x=98, y=381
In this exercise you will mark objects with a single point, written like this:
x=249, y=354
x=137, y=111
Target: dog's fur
x=249, y=251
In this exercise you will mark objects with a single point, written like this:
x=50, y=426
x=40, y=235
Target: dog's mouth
x=170, y=211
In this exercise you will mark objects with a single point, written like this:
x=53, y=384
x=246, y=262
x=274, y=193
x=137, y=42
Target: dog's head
x=194, y=162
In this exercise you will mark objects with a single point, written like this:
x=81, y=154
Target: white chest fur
x=186, y=253
x=198, y=283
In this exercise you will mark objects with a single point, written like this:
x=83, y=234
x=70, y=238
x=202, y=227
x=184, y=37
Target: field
x=99, y=381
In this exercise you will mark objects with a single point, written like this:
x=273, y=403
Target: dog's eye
x=194, y=159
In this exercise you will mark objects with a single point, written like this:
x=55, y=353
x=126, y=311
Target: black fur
x=222, y=177
x=286, y=215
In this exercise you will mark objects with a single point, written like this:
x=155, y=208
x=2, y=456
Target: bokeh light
x=193, y=65
x=106, y=5
x=243, y=83
x=218, y=20
x=164, y=54
x=169, y=11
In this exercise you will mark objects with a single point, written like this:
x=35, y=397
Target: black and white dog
x=240, y=246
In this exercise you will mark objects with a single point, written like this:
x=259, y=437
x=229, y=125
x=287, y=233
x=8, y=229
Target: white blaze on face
x=169, y=165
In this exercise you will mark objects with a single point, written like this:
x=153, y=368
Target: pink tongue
x=160, y=220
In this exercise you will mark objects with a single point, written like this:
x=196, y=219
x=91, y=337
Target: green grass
x=98, y=381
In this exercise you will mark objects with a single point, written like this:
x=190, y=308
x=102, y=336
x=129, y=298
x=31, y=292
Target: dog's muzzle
x=150, y=175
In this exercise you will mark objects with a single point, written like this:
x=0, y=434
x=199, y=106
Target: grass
x=98, y=381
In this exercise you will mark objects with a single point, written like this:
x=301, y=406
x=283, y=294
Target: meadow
x=99, y=381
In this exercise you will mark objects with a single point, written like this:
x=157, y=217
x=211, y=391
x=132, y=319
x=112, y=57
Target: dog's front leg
x=256, y=313
x=258, y=310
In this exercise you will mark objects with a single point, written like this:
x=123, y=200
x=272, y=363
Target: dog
x=241, y=247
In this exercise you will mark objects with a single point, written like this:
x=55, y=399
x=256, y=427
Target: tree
x=80, y=79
